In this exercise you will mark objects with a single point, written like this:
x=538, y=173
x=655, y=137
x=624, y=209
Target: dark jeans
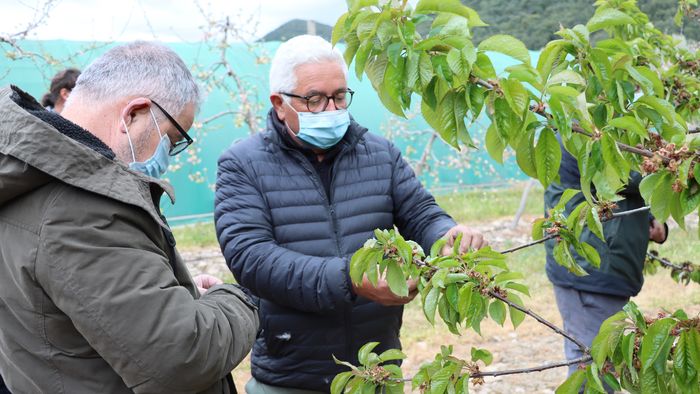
x=583, y=313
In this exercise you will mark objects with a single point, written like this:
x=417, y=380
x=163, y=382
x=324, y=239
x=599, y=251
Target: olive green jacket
x=94, y=298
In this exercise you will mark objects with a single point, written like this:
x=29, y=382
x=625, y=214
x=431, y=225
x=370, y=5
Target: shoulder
x=247, y=149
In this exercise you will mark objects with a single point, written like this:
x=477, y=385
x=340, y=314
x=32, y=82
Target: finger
x=201, y=290
x=467, y=239
x=412, y=285
x=477, y=241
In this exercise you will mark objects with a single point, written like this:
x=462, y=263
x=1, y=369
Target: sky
x=163, y=20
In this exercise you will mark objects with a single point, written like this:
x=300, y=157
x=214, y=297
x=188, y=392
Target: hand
x=657, y=231
x=204, y=282
x=470, y=239
x=381, y=294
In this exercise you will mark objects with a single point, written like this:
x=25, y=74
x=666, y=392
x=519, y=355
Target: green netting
x=195, y=198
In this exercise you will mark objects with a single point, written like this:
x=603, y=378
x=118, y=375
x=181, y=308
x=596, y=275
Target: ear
x=64, y=93
x=278, y=104
x=133, y=110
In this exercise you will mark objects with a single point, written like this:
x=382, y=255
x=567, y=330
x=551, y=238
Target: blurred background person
x=61, y=85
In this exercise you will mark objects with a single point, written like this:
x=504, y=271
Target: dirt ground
x=532, y=344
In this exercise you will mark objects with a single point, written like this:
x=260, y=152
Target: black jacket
x=626, y=239
x=290, y=244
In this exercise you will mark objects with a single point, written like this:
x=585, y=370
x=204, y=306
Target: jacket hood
x=33, y=153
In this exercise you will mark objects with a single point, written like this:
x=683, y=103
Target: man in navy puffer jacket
x=295, y=202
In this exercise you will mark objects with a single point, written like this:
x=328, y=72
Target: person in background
x=295, y=202
x=94, y=297
x=61, y=86
x=584, y=302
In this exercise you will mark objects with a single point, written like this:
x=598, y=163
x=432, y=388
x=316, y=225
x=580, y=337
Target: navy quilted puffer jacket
x=290, y=244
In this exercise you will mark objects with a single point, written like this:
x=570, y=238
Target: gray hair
x=297, y=51
x=143, y=69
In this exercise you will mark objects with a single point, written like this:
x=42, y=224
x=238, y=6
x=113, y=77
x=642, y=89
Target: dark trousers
x=583, y=313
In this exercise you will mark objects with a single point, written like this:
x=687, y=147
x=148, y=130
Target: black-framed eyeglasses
x=182, y=144
x=317, y=103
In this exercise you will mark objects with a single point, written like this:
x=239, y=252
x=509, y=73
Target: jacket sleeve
x=416, y=214
x=101, y=265
x=285, y=277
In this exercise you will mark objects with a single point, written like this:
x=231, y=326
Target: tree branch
x=527, y=245
x=542, y=320
x=664, y=262
x=540, y=368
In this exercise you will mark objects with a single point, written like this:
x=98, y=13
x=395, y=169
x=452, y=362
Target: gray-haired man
x=94, y=298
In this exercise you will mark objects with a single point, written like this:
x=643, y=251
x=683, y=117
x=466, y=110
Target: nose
x=331, y=105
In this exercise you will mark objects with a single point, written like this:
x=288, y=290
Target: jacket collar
x=38, y=144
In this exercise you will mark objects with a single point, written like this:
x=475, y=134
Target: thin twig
x=527, y=245
x=626, y=213
x=664, y=262
x=580, y=360
x=542, y=320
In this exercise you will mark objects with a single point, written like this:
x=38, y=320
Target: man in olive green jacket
x=94, y=298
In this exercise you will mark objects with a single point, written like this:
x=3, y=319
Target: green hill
x=535, y=21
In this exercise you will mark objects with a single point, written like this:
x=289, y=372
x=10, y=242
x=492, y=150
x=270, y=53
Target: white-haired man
x=94, y=298
x=293, y=204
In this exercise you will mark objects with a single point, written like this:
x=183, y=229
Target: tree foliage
x=619, y=104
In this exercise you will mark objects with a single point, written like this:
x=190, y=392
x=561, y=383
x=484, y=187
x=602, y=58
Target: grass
x=196, y=236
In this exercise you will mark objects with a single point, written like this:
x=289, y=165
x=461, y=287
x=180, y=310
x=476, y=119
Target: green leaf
x=550, y=58
x=516, y=316
x=507, y=45
x=648, y=185
x=464, y=299
x=339, y=29
x=661, y=198
x=630, y=123
x=396, y=280
x=440, y=380
x=608, y=17
x=358, y=264
x=590, y=254
x=392, y=354
x=663, y=107
x=613, y=157
x=608, y=337
x=654, y=340
x=525, y=155
x=340, y=381
x=363, y=353
x=497, y=310
x=573, y=383
x=450, y=6
x=356, y=5
x=537, y=229
x=594, y=224
x=547, y=157
x=568, y=77
x=494, y=144
x=683, y=368
x=482, y=354
x=430, y=304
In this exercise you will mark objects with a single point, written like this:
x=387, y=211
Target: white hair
x=304, y=49
x=139, y=69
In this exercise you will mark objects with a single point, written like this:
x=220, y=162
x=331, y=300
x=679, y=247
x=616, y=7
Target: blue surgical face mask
x=323, y=130
x=156, y=165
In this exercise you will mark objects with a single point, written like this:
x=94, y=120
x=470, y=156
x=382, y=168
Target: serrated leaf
x=654, y=340
x=497, y=311
x=630, y=123
x=547, y=157
x=464, y=299
x=590, y=254
x=494, y=144
x=450, y=6
x=516, y=316
x=537, y=229
x=568, y=77
x=507, y=45
x=392, y=354
x=395, y=279
x=482, y=354
x=340, y=381
x=430, y=304
x=573, y=383
x=608, y=17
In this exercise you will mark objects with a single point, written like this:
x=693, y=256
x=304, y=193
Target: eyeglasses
x=182, y=144
x=317, y=103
